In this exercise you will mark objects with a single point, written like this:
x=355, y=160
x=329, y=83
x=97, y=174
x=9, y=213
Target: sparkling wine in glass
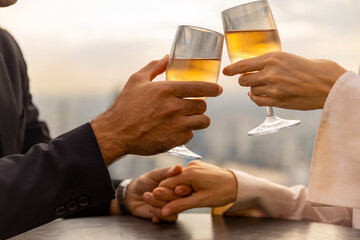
x=195, y=56
x=250, y=31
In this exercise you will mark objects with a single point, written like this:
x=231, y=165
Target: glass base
x=182, y=151
x=273, y=124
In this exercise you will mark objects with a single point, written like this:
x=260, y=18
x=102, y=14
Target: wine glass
x=250, y=31
x=195, y=56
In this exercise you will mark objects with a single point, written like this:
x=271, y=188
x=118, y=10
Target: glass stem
x=269, y=111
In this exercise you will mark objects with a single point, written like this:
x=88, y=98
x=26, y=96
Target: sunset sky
x=93, y=47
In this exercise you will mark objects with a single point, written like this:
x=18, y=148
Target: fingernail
x=147, y=197
x=171, y=169
x=166, y=212
x=221, y=90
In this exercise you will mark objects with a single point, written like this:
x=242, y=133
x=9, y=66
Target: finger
x=262, y=100
x=157, y=175
x=158, y=216
x=183, y=190
x=179, y=205
x=172, y=182
x=155, y=219
x=150, y=199
x=251, y=79
x=164, y=194
x=192, y=107
x=244, y=66
x=155, y=67
x=262, y=90
x=196, y=122
x=195, y=89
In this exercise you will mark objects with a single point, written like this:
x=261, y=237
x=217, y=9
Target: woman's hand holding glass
x=285, y=80
x=250, y=31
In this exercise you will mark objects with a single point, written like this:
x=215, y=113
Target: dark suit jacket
x=41, y=179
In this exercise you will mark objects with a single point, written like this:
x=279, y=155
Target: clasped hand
x=199, y=184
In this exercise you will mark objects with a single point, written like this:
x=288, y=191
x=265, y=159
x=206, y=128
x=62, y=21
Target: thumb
x=160, y=174
x=155, y=67
x=179, y=205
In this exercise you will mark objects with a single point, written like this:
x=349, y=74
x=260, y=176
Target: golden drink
x=251, y=43
x=204, y=70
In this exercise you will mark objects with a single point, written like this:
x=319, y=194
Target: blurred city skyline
x=83, y=47
x=80, y=54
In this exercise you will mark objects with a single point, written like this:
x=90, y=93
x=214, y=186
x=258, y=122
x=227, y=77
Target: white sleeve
x=259, y=197
x=335, y=165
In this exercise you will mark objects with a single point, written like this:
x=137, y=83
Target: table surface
x=189, y=226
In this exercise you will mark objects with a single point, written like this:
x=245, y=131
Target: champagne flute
x=250, y=31
x=195, y=56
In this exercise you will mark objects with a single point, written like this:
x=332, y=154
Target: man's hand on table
x=146, y=183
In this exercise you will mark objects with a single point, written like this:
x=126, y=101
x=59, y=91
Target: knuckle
x=138, y=76
x=154, y=62
x=190, y=169
x=270, y=75
x=275, y=92
x=273, y=58
x=171, y=109
x=150, y=65
x=276, y=55
x=280, y=94
x=165, y=89
x=134, y=76
x=194, y=163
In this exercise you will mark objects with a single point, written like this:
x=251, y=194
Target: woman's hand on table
x=199, y=185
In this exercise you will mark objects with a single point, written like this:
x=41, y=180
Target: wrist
x=121, y=196
x=232, y=187
x=110, y=145
x=331, y=73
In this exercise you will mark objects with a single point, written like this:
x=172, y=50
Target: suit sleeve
x=37, y=131
x=98, y=210
x=52, y=180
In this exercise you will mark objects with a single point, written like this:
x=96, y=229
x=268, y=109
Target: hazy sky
x=87, y=46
